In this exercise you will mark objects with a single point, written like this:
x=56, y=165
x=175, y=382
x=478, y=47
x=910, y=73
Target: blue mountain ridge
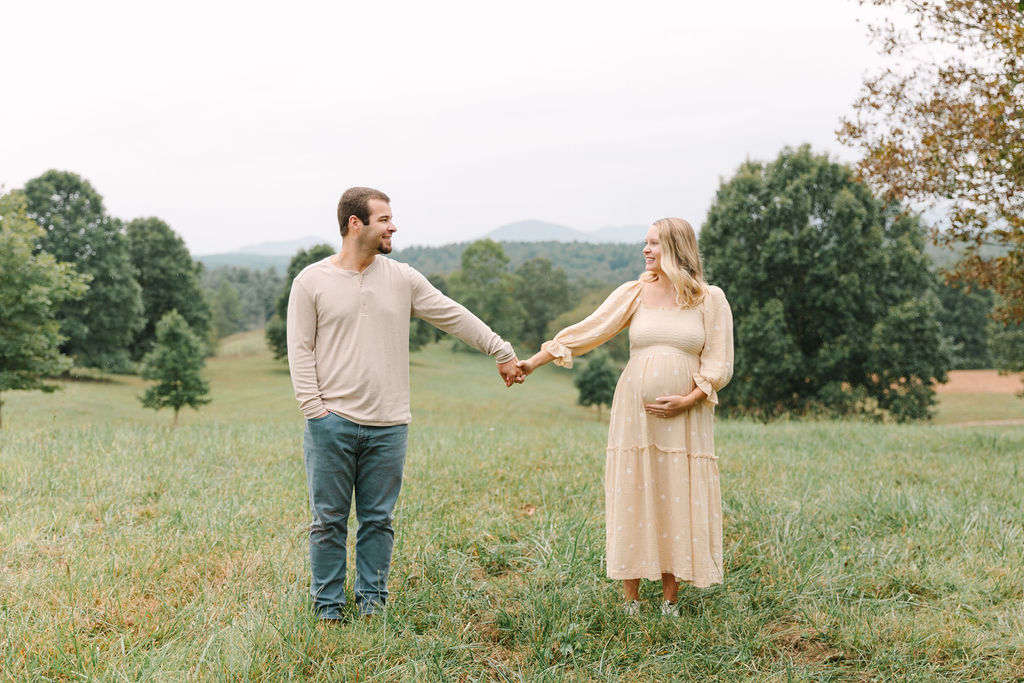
x=269, y=253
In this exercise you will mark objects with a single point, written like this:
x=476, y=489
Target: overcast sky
x=239, y=123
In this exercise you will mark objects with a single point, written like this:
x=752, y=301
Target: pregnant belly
x=657, y=382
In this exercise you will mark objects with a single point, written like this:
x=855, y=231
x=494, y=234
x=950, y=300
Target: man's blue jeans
x=342, y=457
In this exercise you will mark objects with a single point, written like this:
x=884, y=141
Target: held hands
x=510, y=372
x=535, y=361
x=515, y=370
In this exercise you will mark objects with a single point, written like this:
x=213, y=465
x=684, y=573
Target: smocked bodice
x=680, y=329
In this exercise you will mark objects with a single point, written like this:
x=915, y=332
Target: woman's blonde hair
x=680, y=261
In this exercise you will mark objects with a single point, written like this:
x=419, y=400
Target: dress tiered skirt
x=663, y=504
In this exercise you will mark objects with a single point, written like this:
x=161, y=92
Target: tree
x=277, y=330
x=169, y=279
x=944, y=127
x=830, y=290
x=596, y=381
x=1008, y=349
x=966, y=325
x=100, y=327
x=544, y=293
x=33, y=284
x=226, y=307
x=486, y=287
x=175, y=363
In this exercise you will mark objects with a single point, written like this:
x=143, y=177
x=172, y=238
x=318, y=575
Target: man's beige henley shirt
x=348, y=338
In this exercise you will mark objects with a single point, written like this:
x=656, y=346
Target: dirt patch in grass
x=980, y=382
x=804, y=644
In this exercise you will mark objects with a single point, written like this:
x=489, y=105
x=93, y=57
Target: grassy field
x=979, y=407
x=854, y=551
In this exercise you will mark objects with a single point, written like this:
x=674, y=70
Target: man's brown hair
x=356, y=202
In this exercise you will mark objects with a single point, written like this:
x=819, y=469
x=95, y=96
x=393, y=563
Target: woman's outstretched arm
x=609, y=319
x=538, y=359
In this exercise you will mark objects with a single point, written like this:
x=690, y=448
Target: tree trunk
x=174, y=423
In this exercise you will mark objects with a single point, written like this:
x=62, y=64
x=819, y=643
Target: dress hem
x=622, y=576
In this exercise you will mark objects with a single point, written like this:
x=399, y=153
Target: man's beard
x=382, y=247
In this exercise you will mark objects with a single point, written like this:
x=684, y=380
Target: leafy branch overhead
x=943, y=127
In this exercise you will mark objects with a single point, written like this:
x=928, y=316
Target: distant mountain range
x=277, y=254
x=540, y=231
x=286, y=248
x=528, y=238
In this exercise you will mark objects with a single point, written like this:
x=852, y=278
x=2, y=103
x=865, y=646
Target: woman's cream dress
x=663, y=505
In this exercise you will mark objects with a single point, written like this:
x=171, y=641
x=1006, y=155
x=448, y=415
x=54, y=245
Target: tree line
x=83, y=288
x=839, y=309
x=599, y=263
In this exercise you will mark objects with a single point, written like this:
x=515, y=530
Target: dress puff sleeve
x=610, y=318
x=716, y=356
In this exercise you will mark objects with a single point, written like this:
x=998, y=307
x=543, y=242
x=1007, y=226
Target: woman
x=663, y=506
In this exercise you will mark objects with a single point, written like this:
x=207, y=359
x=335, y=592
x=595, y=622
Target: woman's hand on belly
x=674, y=404
x=668, y=406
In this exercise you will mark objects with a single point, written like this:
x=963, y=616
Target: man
x=348, y=351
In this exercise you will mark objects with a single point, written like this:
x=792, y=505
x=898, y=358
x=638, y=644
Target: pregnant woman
x=663, y=505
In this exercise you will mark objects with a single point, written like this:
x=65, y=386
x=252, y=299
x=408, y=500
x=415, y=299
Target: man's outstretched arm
x=446, y=314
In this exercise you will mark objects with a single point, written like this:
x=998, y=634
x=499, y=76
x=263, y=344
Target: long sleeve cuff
x=561, y=352
x=504, y=354
x=705, y=385
x=313, y=408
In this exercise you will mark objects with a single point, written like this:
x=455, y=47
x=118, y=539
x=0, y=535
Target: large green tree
x=32, y=286
x=169, y=278
x=485, y=286
x=966, y=324
x=544, y=293
x=101, y=326
x=277, y=330
x=943, y=127
x=834, y=304
x=176, y=364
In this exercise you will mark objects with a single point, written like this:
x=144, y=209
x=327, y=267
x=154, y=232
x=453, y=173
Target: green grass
x=854, y=551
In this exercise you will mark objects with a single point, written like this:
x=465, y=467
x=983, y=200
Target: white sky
x=242, y=122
